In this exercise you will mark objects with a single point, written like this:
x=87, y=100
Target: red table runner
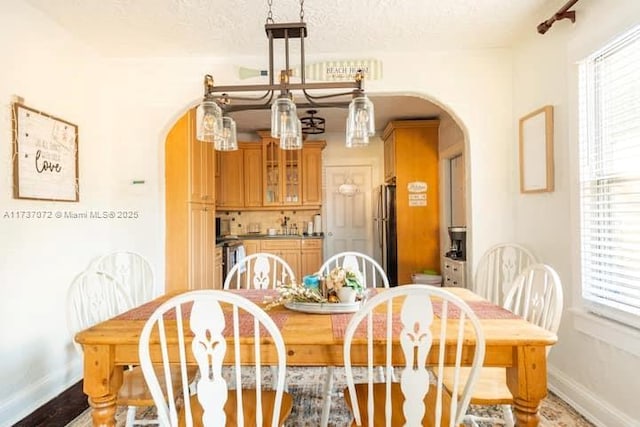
x=245, y=320
x=482, y=309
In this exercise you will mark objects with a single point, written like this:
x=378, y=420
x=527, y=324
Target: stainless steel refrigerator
x=385, y=221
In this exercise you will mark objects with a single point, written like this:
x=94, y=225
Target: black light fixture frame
x=286, y=31
x=311, y=124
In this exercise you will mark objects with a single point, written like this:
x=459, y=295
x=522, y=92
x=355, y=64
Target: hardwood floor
x=59, y=411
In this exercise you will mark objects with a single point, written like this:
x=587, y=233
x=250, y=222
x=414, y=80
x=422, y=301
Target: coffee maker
x=458, y=237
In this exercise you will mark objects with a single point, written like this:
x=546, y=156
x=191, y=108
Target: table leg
x=102, y=380
x=527, y=380
x=103, y=411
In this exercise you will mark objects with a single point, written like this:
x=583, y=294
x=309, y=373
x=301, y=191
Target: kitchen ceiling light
x=311, y=124
x=348, y=189
x=284, y=121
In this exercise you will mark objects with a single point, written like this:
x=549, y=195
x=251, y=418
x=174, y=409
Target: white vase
x=347, y=294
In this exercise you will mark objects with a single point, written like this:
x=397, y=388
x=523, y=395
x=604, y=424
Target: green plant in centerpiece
x=341, y=276
x=293, y=292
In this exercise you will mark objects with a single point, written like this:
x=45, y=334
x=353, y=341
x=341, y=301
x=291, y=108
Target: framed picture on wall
x=536, y=151
x=45, y=156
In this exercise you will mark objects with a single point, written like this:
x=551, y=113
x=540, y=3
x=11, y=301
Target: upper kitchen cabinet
x=390, y=158
x=252, y=154
x=282, y=174
x=411, y=161
x=230, y=179
x=239, y=177
x=201, y=165
x=291, y=178
x=312, y=173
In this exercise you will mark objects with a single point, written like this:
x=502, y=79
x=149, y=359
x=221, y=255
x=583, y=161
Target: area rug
x=305, y=384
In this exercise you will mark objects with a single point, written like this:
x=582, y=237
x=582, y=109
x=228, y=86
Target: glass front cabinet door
x=282, y=183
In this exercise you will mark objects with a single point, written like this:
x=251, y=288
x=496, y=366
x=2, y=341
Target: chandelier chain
x=270, y=13
x=301, y=10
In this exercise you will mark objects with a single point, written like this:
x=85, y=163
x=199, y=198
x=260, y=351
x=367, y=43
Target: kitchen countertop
x=259, y=236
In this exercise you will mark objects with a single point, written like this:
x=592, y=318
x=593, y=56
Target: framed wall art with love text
x=45, y=156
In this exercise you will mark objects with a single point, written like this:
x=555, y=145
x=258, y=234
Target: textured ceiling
x=226, y=27
x=178, y=28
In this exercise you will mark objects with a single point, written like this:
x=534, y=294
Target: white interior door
x=348, y=219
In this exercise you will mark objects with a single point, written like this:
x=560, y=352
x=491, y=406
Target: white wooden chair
x=259, y=271
x=415, y=399
x=95, y=296
x=497, y=269
x=372, y=276
x=132, y=270
x=211, y=317
x=537, y=296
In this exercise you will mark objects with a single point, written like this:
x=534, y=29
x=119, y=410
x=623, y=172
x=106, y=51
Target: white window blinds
x=609, y=141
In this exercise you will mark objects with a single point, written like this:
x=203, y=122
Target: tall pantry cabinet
x=190, y=209
x=411, y=162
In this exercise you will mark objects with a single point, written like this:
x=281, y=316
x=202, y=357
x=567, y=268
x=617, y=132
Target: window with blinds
x=609, y=139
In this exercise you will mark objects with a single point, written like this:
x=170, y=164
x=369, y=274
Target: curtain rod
x=562, y=13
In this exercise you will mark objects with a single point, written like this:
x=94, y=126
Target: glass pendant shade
x=282, y=110
x=208, y=121
x=357, y=138
x=291, y=135
x=228, y=140
x=360, y=122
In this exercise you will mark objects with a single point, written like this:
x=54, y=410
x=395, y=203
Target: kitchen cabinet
x=252, y=154
x=251, y=246
x=281, y=174
x=310, y=257
x=190, y=209
x=411, y=157
x=230, y=180
x=390, y=158
x=239, y=177
x=454, y=272
x=312, y=173
x=202, y=237
x=201, y=157
x=304, y=256
x=287, y=249
x=291, y=178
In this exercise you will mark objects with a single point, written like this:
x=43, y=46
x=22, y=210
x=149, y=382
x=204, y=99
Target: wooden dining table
x=317, y=340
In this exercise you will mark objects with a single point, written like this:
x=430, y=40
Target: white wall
x=40, y=257
x=595, y=375
x=123, y=109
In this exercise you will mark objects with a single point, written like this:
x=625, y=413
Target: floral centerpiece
x=293, y=292
x=343, y=284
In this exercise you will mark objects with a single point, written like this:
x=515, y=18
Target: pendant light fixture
x=311, y=124
x=360, y=124
x=227, y=140
x=281, y=100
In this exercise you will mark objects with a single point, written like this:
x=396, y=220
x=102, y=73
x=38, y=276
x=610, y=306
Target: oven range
x=232, y=253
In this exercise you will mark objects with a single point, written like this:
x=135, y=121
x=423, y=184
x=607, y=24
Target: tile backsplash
x=245, y=222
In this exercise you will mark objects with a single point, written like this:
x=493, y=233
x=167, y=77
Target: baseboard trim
x=35, y=395
x=599, y=412
x=60, y=410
